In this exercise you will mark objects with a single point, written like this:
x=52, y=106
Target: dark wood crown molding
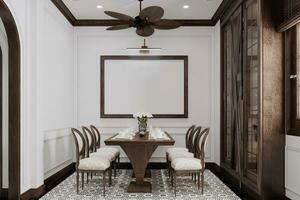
x=110, y=22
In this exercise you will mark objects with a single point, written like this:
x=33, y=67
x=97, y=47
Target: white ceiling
x=199, y=9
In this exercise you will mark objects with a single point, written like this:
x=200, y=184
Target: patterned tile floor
x=214, y=189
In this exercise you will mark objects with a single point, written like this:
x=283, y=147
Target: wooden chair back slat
x=80, y=144
x=89, y=137
x=97, y=135
x=187, y=135
x=201, y=142
x=192, y=138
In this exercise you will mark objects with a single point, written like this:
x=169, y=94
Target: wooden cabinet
x=252, y=128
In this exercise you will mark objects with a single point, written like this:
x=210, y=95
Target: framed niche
x=154, y=84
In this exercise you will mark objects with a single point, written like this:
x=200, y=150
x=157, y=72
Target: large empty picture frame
x=154, y=84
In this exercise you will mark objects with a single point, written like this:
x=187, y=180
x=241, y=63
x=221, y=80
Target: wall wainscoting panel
x=58, y=150
x=292, y=161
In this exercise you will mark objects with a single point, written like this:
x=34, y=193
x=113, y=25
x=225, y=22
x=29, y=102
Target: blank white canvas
x=155, y=86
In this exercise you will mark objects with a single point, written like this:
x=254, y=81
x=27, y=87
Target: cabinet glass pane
x=252, y=91
x=228, y=92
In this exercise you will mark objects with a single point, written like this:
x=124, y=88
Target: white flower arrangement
x=142, y=115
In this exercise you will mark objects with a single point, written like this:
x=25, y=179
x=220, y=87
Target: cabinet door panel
x=232, y=52
x=251, y=91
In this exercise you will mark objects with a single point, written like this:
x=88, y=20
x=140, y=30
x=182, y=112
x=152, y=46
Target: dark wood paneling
x=273, y=135
x=113, y=57
x=290, y=14
x=14, y=100
x=221, y=11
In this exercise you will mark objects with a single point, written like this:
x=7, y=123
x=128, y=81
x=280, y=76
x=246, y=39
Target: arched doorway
x=14, y=59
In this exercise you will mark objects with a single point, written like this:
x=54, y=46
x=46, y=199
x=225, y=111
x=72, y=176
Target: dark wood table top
x=138, y=139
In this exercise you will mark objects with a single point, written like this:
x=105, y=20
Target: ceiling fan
x=149, y=18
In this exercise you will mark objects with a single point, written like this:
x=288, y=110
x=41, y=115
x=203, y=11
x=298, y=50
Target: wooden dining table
x=139, y=150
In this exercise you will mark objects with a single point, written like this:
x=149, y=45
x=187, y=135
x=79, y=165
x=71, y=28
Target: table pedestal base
x=145, y=187
x=147, y=174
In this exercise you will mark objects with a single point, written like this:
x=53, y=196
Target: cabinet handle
x=293, y=76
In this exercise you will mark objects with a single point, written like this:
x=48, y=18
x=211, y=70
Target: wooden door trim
x=14, y=99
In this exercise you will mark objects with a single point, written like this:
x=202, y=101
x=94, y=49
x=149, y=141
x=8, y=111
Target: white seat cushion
x=94, y=163
x=102, y=154
x=112, y=150
x=180, y=154
x=170, y=150
x=186, y=164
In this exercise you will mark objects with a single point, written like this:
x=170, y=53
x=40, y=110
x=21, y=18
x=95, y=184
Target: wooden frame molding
x=109, y=22
x=102, y=84
x=14, y=100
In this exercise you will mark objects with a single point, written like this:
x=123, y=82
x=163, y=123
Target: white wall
x=292, y=164
x=55, y=80
x=46, y=88
x=4, y=145
x=198, y=43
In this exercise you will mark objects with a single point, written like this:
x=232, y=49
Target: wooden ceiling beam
x=111, y=22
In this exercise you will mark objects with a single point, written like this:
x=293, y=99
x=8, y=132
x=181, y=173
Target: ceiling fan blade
x=152, y=13
x=118, y=27
x=145, y=31
x=119, y=16
x=166, y=24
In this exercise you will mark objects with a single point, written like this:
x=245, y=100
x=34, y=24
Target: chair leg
x=175, y=181
x=169, y=168
x=115, y=169
x=110, y=175
x=167, y=164
x=199, y=180
x=171, y=174
x=104, y=177
x=119, y=162
x=202, y=182
x=82, y=180
x=87, y=177
x=77, y=181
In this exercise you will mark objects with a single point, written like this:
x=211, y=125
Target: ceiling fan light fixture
x=144, y=49
x=145, y=22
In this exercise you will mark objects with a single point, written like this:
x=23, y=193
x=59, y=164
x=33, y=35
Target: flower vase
x=142, y=128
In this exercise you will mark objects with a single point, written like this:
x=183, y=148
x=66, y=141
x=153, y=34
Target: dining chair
x=191, y=165
x=85, y=164
x=114, y=151
x=182, y=153
x=93, y=152
x=186, y=148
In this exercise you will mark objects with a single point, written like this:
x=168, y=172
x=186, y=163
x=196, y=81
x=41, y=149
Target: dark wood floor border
x=49, y=183
x=109, y=22
x=3, y=193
